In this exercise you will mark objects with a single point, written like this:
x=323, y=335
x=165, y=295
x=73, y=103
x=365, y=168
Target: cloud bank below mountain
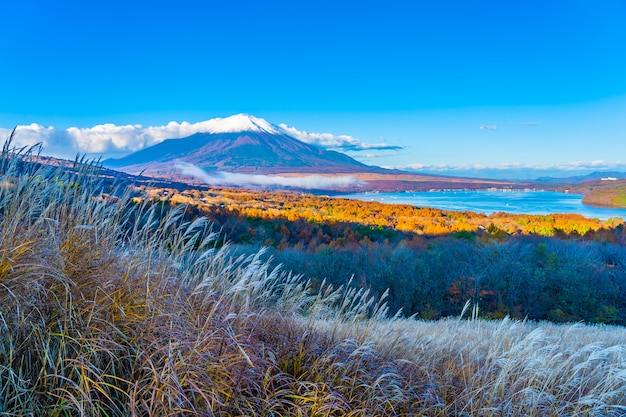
x=229, y=179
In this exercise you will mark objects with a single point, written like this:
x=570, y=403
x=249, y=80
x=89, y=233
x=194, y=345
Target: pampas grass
x=109, y=308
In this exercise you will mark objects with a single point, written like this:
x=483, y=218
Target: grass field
x=113, y=309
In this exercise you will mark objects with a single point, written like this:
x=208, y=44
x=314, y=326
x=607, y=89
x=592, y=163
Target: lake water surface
x=519, y=202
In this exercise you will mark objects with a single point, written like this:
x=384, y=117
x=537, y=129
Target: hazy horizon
x=112, y=141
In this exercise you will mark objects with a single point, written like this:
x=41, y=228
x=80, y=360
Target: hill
x=602, y=193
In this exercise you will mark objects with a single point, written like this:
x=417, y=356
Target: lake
x=518, y=202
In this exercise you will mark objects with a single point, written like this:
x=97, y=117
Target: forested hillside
x=603, y=193
x=558, y=267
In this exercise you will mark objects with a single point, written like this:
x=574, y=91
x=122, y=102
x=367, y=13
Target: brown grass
x=111, y=309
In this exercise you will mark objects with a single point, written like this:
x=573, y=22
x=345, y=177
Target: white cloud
x=336, y=142
x=105, y=139
x=530, y=123
x=112, y=140
x=54, y=141
x=233, y=179
x=108, y=138
x=488, y=127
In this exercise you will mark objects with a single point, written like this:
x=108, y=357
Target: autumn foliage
x=561, y=267
x=113, y=308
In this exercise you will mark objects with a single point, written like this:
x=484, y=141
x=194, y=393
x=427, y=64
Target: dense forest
x=561, y=268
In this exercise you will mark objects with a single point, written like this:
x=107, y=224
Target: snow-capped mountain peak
x=238, y=123
x=239, y=143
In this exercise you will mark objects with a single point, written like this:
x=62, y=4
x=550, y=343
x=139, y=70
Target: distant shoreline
x=520, y=201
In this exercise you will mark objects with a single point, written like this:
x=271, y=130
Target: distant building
x=608, y=179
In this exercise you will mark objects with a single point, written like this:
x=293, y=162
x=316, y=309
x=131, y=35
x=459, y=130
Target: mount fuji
x=239, y=144
x=245, y=149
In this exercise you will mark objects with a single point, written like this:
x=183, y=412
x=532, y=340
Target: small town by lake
x=492, y=201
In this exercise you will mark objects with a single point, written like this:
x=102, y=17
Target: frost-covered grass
x=501, y=368
x=112, y=309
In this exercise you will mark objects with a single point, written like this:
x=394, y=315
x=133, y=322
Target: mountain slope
x=243, y=144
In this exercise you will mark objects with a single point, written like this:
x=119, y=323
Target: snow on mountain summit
x=237, y=123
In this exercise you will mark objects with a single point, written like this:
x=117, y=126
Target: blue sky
x=545, y=79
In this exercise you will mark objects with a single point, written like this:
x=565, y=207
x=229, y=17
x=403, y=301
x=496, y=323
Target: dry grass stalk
x=111, y=309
